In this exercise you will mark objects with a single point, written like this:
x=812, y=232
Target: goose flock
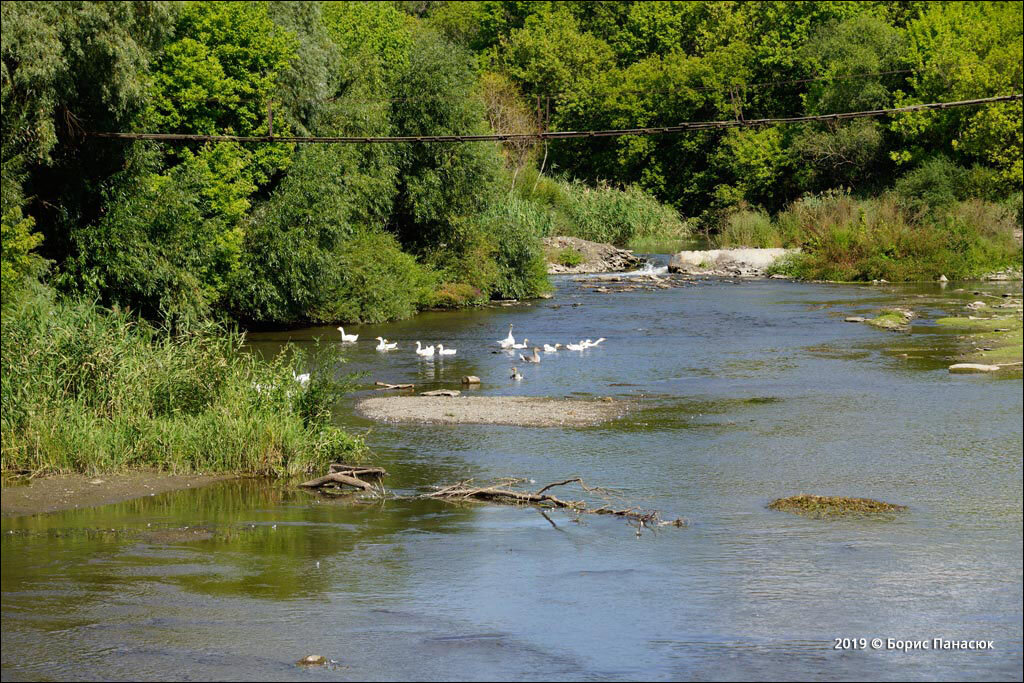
x=509, y=344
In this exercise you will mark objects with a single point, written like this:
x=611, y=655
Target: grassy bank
x=93, y=390
x=885, y=238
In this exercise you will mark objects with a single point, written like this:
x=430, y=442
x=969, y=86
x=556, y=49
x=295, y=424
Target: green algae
x=829, y=506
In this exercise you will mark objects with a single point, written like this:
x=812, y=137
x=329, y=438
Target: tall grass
x=92, y=390
x=847, y=239
x=608, y=214
x=602, y=213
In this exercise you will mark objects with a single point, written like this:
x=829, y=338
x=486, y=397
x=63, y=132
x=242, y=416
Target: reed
x=90, y=390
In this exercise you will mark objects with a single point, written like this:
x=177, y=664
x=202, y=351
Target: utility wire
x=559, y=135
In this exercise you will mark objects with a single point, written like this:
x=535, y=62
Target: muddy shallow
x=70, y=491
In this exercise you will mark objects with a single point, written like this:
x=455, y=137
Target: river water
x=742, y=393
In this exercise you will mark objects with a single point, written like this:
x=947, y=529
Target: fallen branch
x=355, y=470
x=501, y=493
x=337, y=478
x=347, y=475
x=382, y=386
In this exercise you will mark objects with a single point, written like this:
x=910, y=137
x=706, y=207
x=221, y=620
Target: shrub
x=455, y=295
x=569, y=257
x=934, y=185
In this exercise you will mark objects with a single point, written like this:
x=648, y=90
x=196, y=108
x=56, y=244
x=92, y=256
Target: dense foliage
x=279, y=234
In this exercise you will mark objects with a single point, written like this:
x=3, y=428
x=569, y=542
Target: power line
x=558, y=135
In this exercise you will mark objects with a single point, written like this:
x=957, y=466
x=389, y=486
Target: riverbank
x=91, y=390
x=74, y=491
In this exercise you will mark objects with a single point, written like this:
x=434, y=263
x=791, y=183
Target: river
x=742, y=393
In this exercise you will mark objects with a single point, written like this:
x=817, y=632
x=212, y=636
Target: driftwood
x=441, y=392
x=348, y=475
x=381, y=386
x=501, y=493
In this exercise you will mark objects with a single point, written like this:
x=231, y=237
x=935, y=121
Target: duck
x=428, y=351
x=523, y=345
x=384, y=345
x=507, y=341
x=534, y=359
x=347, y=337
x=515, y=374
x=445, y=352
x=548, y=348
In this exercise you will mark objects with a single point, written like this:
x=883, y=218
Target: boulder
x=963, y=368
x=597, y=257
x=727, y=262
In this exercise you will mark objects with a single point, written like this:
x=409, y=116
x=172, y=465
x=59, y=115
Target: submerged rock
x=312, y=660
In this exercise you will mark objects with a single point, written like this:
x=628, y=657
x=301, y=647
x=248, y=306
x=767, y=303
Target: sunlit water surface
x=742, y=393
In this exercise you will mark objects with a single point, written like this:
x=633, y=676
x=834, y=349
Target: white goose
x=347, y=337
x=428, y=351
x=575, y=347
x=523, y=345
x=548, y=348
x=384, y=345
x=507, y=341
x=446, y=352
x=532, y=359
x=601, y=339
x=302, y=379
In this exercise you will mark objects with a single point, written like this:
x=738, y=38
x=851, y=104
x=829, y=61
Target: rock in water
x=312, y=660
x=471, y=379
x=597, y=257
x=727, y=262
x=963, y=368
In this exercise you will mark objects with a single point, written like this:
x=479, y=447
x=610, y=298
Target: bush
x=934, y=185
x=456, y=295
x=569, y=257
x=378, y=282
x=90, y=390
